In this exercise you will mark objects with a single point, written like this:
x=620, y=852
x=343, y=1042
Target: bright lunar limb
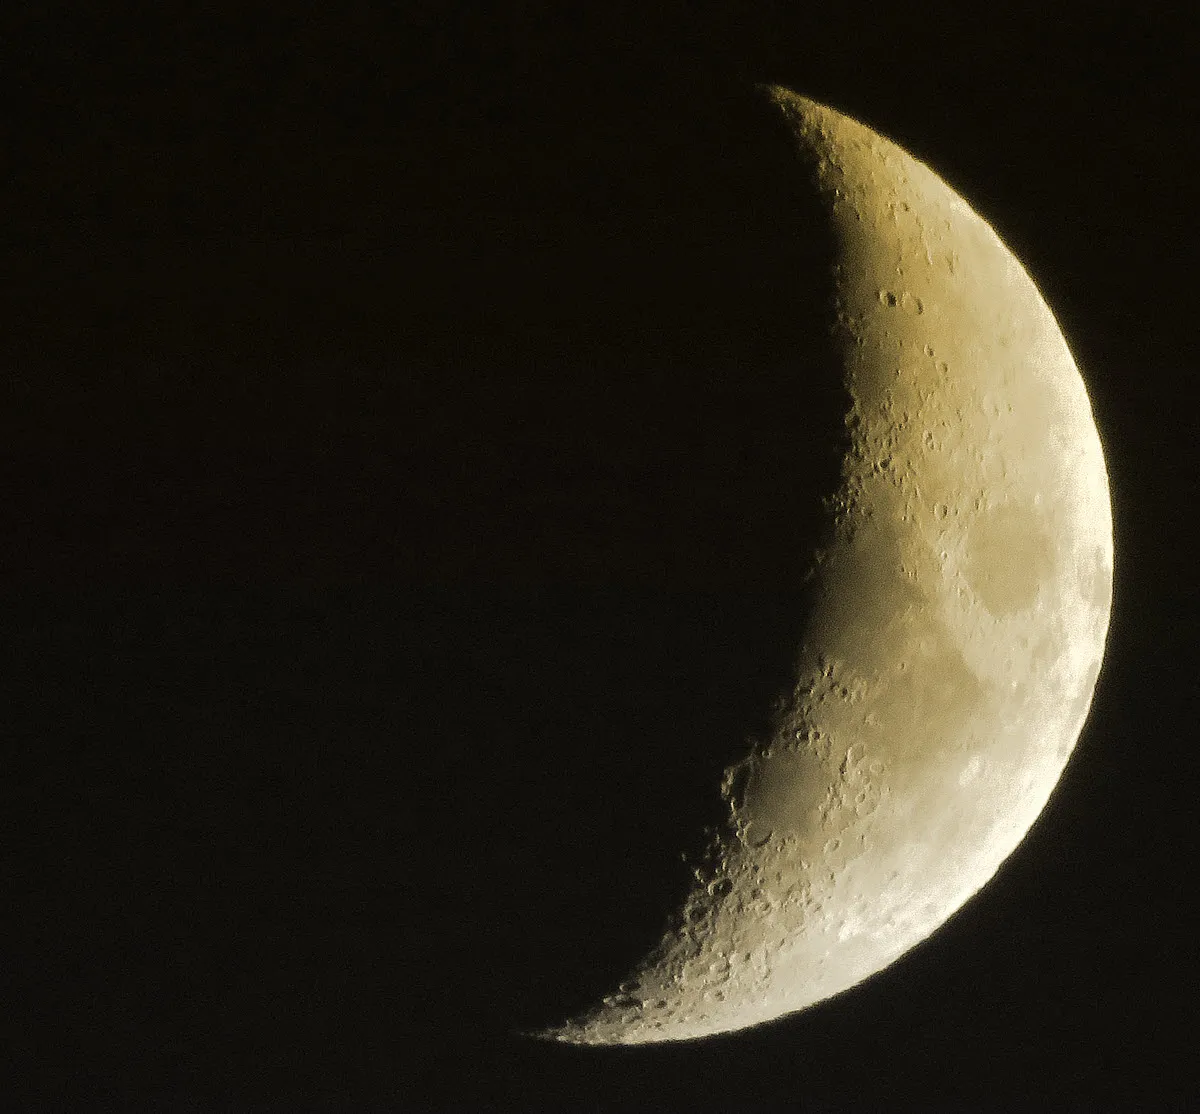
x=962, y=605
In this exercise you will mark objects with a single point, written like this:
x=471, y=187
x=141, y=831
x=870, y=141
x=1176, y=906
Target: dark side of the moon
x=441, y=537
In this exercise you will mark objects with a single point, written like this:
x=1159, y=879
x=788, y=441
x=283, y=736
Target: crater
x=783, y=792
x=1009, y=554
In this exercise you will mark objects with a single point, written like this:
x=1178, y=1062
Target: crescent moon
x=962, y=605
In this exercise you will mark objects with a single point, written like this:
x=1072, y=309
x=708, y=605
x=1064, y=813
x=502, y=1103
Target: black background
x=414, y=427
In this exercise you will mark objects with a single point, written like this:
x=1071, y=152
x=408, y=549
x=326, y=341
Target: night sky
x=415, y=422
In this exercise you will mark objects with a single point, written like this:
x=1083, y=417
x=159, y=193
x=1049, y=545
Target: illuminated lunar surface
x=947, y=667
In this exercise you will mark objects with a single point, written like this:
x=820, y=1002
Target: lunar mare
x=962, y=605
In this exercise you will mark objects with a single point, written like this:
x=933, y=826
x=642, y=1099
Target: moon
x=962, y=601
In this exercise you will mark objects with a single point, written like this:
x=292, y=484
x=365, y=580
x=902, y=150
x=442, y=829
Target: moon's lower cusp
x=959, y=621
